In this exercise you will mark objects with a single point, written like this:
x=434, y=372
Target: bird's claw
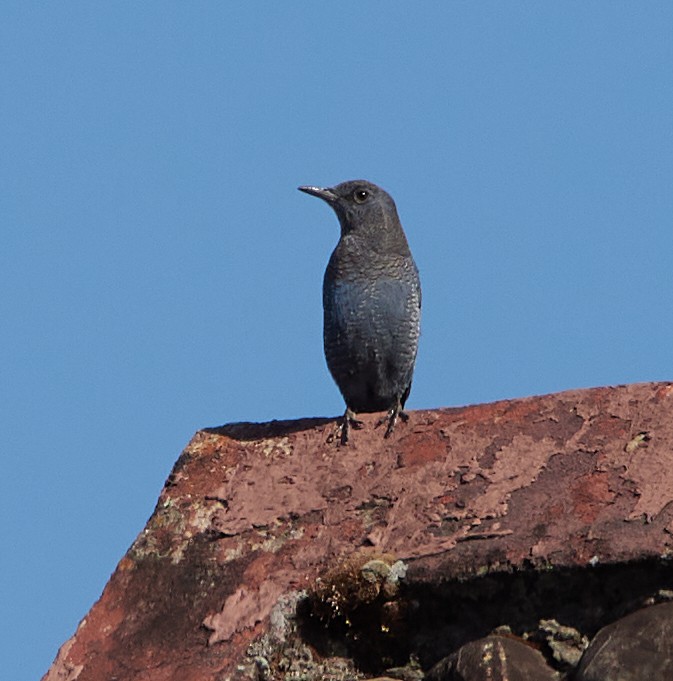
x=347, y=422
x=391, y=419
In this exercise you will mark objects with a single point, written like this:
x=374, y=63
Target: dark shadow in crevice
x=246, y=431
x=432, y=621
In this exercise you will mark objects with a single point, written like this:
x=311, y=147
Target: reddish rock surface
x=502, y=514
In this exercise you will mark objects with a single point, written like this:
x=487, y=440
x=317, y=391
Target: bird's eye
x=360, y=195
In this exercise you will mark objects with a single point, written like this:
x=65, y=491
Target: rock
x=634, y=648
x=565, y=643
x=496, y=658
x=465, y=520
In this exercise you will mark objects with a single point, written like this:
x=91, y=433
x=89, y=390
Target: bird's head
x=362, y=207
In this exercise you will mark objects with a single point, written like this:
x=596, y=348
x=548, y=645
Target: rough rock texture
x=636, y=647
x=495, y=658
x=273, y=553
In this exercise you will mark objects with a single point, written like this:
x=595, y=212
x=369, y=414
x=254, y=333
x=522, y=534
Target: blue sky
x=159, y=271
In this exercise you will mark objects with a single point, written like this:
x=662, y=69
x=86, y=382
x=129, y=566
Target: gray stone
x=638, y=647
x=494, y=658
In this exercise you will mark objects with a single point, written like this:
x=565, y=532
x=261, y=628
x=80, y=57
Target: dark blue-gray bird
x=371, y=304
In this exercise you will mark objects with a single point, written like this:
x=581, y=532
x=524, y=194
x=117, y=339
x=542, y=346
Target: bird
x=371, y=305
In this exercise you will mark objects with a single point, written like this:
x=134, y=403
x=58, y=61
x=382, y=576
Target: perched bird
x=371, y=304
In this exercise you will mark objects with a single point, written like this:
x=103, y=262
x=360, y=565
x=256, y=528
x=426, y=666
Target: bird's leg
x=391, y=418
x=348, y=421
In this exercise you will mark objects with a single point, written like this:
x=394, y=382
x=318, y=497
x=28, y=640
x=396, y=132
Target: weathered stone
x=565, y=643
x=638, y=647
x=494, y=658
x=554, y=507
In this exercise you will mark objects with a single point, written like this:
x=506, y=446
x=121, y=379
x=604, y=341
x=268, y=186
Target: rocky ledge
x=524, y=539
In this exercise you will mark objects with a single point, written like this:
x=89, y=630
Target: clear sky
x=159, y=271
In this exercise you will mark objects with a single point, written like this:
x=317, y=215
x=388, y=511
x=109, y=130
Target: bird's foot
x=391, y=418
x=347, y=422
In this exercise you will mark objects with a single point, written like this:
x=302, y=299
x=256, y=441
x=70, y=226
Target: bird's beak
x=324, y=194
